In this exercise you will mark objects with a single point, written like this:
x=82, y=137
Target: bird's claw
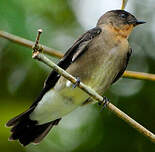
x=104, y=102
x=77, y=82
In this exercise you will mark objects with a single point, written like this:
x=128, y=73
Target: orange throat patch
x=124, y=32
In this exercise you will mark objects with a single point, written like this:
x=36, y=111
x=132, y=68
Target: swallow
x=98, y=59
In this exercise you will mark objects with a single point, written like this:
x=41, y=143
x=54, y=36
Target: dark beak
x=136, y=22
x=139, y=22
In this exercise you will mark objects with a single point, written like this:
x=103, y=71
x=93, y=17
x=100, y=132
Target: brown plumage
x=99, y=58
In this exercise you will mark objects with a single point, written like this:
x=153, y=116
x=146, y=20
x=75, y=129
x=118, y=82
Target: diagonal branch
x=52, y=52
x=39, y=56
x=28, y=43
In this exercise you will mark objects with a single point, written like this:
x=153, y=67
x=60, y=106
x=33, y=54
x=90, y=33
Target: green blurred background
x=88, y=128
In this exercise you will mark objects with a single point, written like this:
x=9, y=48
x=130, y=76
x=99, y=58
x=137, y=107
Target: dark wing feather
x=124, y=67
x=70, y=56
x=27, y=130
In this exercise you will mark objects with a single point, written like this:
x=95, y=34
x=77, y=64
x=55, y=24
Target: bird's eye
x=123, y=15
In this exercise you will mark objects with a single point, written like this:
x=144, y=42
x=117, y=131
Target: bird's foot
x=77, y=82
x=104, y=102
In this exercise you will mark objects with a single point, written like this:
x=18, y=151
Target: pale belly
x=56, y=104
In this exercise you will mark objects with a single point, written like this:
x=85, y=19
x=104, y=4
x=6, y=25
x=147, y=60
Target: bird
x=98, y=59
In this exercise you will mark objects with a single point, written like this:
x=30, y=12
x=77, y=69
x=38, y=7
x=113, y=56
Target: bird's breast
x=98, y=67
x=107, y=68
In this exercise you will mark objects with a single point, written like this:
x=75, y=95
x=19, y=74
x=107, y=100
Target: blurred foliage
x=87, y=128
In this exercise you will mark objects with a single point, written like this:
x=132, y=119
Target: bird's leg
x=104, y=102
x=77, y=82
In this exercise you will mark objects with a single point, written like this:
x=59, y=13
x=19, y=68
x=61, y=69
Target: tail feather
x=16, y=119
x=26, y=130
x=41, y=136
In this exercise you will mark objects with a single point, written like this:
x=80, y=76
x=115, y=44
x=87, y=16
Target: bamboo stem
x=139, y=75
x=29, y=44
x=124, y=3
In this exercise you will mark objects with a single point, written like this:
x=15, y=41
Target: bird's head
x=120, y=20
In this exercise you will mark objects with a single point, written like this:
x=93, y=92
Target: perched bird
x=98, y=59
